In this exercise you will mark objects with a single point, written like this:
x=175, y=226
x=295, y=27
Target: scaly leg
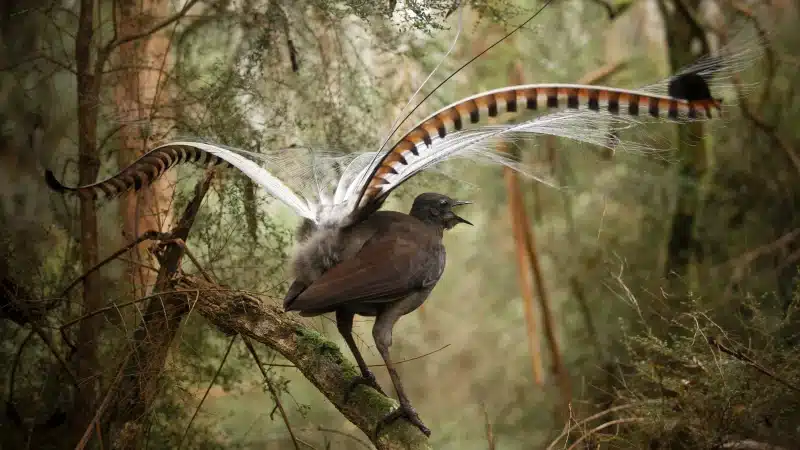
x=344, y=323
x=382, y=333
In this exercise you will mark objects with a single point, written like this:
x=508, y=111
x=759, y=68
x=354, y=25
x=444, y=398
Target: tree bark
x=89, y=330
x=317, y=358
x=139, y=93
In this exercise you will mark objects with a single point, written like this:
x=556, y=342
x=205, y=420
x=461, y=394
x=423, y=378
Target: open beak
x=461, y=219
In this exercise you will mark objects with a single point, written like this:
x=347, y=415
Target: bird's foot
x=368, y=379
x=406, y=411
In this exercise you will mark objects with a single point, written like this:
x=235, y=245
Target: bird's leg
x=382, y=333
x=344, y=323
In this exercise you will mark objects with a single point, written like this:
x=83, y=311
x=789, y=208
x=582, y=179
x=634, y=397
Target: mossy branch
x=317, y=358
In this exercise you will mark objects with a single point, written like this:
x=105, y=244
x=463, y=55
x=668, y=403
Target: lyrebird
x=351, y=258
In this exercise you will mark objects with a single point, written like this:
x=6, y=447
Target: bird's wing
x=154, y=163
x=387, y=268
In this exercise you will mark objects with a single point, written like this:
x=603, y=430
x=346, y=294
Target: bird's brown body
x=384, y=266
x=363, y=284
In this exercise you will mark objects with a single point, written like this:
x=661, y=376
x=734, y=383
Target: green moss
x=310, y=341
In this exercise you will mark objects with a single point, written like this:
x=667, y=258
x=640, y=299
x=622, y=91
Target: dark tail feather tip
x=53, y=183
x=690, y=86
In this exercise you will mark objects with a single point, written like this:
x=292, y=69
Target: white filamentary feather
x=261, y=176
x=328, y=187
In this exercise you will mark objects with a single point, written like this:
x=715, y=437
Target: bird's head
x=437, y=209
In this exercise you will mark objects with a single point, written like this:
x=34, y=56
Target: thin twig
x=49, y=343
x=568, y=430
x=138, y=263
x=116, y=306
x=744, y=358
x=13, y=375
x=103, y=406
x=594, y=430
x=210, y=385
x=195, y=261
x=342, y=433
x=148, y=235
x=376, y=365
x=114, y=43
x=99, y=435
x=489, y=433
x=272, y=391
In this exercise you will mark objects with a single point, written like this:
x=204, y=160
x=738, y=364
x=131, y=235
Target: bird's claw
x=406, y=411
x=367, y=379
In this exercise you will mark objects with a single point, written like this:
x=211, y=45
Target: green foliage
x=697, y=384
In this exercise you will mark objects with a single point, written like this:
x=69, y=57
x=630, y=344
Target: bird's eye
x=443, y=202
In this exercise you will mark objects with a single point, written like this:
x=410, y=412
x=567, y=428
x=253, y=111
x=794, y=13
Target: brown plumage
x=384, y=266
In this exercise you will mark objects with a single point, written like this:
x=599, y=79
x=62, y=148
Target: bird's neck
x=432, y=223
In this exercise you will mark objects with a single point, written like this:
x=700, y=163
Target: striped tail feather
x=397, y=164
x=156, y=162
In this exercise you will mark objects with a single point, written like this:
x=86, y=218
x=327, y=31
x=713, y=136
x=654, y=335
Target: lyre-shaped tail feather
x=417, y=150
x=154, y=163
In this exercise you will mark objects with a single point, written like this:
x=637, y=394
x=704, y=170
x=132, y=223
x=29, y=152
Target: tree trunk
x=140, y=92
x=88, y=98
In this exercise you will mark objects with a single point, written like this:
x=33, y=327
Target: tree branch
x=155, y=29
x=319, y=359
x=160, y=322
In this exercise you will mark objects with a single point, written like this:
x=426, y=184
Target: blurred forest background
x=656, y=308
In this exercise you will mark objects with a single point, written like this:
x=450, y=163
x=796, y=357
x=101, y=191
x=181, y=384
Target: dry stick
x=194, y=260
x=547, y=315
x=568, y=430
x=342, y=433
x=103, y=406
x=272, y=390
x=375, y=365
x=17, y=358
x=138, y=263
x=525, y=240
x=210, y=385
x=164, y=237
x=525, y=281
x=544, y=302
x=517, y=211
x=51, y=346
x=99, y=435
x=149, y=235
x=489, y=433
x=63, y=327
x=594, y=430
x=744, y=358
